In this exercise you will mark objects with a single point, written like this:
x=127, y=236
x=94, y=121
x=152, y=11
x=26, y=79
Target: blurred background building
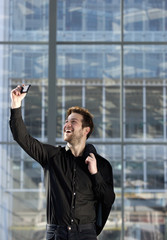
x=109, y=56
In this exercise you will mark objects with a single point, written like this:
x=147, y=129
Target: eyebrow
x=72, y=119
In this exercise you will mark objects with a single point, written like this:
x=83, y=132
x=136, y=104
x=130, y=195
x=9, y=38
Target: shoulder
x=54, y=150
x=102, y=161
x=104, y=165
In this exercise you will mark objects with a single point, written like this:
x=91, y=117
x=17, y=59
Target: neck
x=77, y=150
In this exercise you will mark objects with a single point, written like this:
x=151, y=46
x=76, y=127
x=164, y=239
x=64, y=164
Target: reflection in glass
x=145, y=61
x=134, y=112
x=32, y=174
x=134, y=175
x=145, y=20
x=25, y=171
x=28, y=215
x=95, y=106
x=88, y=75
x=24, y=20
x=93, y=73
x=88, y=20
x=112, y=106
x=155, y=176
x=155, y=112
x=145, y=92
x=144, y=187
x=28, y=64
x=73, y=65
x=22, y=195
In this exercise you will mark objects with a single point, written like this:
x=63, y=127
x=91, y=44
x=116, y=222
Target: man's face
x=73, y=130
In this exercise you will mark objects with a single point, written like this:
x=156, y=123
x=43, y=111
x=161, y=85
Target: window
x=114, y=67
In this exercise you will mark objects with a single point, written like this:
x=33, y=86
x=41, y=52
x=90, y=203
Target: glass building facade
x=109, y=56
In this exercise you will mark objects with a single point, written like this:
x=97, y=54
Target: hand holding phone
x=18, y=94
x=25, y=88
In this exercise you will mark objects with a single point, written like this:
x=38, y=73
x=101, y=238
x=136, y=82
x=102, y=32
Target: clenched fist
x=92, y=163
x=17, y=97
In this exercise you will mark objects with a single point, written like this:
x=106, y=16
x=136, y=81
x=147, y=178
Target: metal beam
x=83, y=42
x=122, y=118
x=52, y=95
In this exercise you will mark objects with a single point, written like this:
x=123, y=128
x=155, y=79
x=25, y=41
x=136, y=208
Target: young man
x=79, y=182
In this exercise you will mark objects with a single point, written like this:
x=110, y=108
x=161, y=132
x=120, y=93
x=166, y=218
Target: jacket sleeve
x=103, y=182
x=31, y=146
x=104, y=191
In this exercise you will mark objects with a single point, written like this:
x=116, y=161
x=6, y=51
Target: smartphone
x=25, y=88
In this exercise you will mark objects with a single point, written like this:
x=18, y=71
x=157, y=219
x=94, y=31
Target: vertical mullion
x=83, y=79
x=104, y=111
x=144, y=111
x=83, y=93
x=164, y=110
x=63, y=104
x=43, y=110
x=52, y=89
x=121, y=118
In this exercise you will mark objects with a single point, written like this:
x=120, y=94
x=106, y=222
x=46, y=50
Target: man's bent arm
x=103, y=184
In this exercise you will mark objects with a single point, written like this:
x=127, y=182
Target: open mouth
x=68, y=131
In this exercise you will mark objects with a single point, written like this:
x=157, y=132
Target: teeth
x=68, y=131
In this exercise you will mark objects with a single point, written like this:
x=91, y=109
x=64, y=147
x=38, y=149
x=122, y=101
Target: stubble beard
x=74, y=139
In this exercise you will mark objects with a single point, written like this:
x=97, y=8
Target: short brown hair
x=87, y=117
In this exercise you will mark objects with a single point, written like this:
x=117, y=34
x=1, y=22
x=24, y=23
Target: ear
x=87, y=130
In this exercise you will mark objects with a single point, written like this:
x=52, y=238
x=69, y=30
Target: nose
x=67, y=124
